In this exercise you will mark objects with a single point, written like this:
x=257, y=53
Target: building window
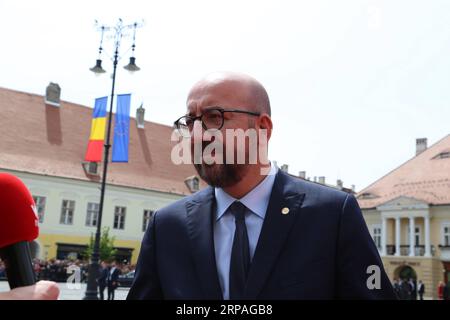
x=446, y=235
x=119, y=217
x=40, y=207
x=417, y=237
x=148, y=214
x=442, y=155
x=367, y=195
x=377, y=236
x=92, y=214
x=67, y=211
x=193, y=183
x=91, y=168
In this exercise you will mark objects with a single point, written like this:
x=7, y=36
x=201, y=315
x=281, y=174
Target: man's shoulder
x=179, y=206
x=315, y=193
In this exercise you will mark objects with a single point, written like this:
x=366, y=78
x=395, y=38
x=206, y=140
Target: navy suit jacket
x=113, y=278
x=321, y=249
x=103, y=276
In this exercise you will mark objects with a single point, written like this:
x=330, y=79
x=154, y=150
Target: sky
x=352, y=83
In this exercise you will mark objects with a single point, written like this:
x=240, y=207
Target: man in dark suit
x=112, y=278
x=101, y=280
x=405, y=290
x=255, y=232
x=421, y=289
x=413, y=286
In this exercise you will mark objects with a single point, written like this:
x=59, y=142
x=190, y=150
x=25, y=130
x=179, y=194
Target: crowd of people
x=408, y=289
x=59, y=270
x=443, y=291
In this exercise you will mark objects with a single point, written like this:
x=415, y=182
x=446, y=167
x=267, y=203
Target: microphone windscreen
x=18, y=214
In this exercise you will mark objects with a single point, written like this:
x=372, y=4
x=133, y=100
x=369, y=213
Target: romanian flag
x=97, y=137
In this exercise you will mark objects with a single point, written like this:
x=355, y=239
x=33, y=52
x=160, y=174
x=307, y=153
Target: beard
x=221, y=175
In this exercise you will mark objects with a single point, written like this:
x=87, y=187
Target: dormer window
x=91, y=168
x=193, y=183
x=366, y=196
x=443, y=155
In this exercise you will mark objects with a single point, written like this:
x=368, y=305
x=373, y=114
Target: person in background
x=396, y=286
x=2, y=270
x=421, y=289
x=101, y=280
x=113, y=276
x=413, y=289
x=441, y=290
x=445, y=292
x=405, y=290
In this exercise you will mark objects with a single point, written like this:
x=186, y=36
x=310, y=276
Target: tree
x=107, y=251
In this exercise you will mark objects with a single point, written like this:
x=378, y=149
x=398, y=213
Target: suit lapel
x=274, y=232
x=200, y=229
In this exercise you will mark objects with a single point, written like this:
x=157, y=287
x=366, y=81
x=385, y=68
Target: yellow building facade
x=62, y=237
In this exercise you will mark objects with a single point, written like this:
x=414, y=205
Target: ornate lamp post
x=117, y=32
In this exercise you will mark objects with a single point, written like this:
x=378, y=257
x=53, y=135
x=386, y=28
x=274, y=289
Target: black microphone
x=18, y=227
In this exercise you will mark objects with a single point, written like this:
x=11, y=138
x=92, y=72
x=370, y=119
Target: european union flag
x=121, y=129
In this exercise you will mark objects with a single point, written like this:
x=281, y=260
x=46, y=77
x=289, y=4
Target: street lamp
x=118, y=31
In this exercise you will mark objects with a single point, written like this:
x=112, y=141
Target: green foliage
x=107, y=251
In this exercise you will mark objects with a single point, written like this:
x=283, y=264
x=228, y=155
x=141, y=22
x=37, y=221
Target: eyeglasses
x=210, y=119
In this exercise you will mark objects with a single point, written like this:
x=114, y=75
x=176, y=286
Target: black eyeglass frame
x=222, y=111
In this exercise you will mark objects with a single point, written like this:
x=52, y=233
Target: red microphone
x=18, y=227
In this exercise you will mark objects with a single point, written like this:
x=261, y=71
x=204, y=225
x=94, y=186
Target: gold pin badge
x=285, y=210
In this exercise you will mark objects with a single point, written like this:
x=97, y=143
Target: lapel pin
x=285, y=210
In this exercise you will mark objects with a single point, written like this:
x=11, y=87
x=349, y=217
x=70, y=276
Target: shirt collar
x=257, y=200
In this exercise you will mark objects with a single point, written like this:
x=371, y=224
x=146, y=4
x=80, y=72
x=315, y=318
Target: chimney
x=53, y=94
x=322, y=180
x=339, y=183
x=315, y=179
x=140, y=112
x=421, y=145
x=284, y=168
x=353, y=188
x=302, y=174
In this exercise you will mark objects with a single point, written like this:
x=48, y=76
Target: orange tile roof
x=42, y=139
x=425, y=177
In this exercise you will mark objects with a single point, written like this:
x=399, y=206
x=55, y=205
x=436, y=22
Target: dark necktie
x=240, y=253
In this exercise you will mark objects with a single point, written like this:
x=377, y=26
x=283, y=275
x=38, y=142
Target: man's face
x=227, y=96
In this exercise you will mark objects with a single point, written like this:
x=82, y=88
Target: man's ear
x=265, y=122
